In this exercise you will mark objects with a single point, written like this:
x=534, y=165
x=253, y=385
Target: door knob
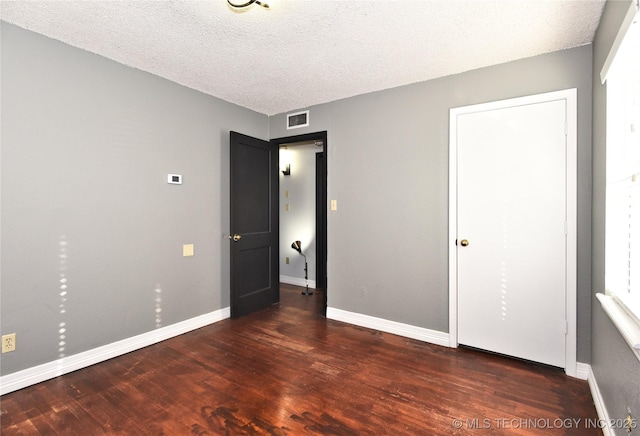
x=464, y=242
x=236, y=237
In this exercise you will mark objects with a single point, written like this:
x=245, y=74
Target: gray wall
x=86, y=147
x=614, y=365
x=87, y=144
x=388, y=170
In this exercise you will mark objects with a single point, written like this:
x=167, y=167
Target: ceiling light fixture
x=249, y=3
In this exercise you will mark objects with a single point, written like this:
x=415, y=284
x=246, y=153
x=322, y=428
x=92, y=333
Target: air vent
x=297, y=119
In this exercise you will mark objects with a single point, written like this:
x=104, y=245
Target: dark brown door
x=254, y=224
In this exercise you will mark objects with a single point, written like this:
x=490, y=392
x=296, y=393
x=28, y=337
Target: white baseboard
x=30, y=376
x=393, y=327
x=601, y=409
x=582, y=371
x=297, y=281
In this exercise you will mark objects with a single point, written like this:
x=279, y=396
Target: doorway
x=302, y=180
x=513, y=228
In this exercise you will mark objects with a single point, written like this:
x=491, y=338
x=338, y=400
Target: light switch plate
x=334, y=204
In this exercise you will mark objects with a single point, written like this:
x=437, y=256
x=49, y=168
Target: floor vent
x=297, y=119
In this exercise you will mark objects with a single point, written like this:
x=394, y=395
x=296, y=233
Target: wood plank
x=287, y=370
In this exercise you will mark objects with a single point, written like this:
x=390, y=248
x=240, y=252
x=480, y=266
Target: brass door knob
x=464, y=242
x=236, y=237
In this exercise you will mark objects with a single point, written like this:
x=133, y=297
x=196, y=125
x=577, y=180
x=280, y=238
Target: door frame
x=321, y=221
x=321, y=237
x=570, y=97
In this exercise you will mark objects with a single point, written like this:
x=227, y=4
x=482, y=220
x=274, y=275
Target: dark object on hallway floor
x=297, y=245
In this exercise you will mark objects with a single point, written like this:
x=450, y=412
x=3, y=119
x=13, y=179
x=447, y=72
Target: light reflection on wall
x=63, y=258
x=158, y=311
x=503, y=295
x=503, y=266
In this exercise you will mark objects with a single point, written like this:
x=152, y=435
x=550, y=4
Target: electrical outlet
x=8, y=342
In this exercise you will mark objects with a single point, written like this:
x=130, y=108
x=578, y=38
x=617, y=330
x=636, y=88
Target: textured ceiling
x=300, y=53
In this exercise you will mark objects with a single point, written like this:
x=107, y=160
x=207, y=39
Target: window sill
x=623, y=321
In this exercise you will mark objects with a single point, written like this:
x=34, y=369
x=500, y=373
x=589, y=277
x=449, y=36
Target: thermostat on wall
x=174, y=179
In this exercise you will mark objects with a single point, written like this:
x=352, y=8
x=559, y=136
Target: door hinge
x=566, y=327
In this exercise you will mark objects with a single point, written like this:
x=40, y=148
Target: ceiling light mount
x=247, y=4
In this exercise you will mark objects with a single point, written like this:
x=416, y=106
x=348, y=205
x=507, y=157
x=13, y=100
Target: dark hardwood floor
x=289, y=371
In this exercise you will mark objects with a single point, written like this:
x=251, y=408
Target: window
x=622, y=268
